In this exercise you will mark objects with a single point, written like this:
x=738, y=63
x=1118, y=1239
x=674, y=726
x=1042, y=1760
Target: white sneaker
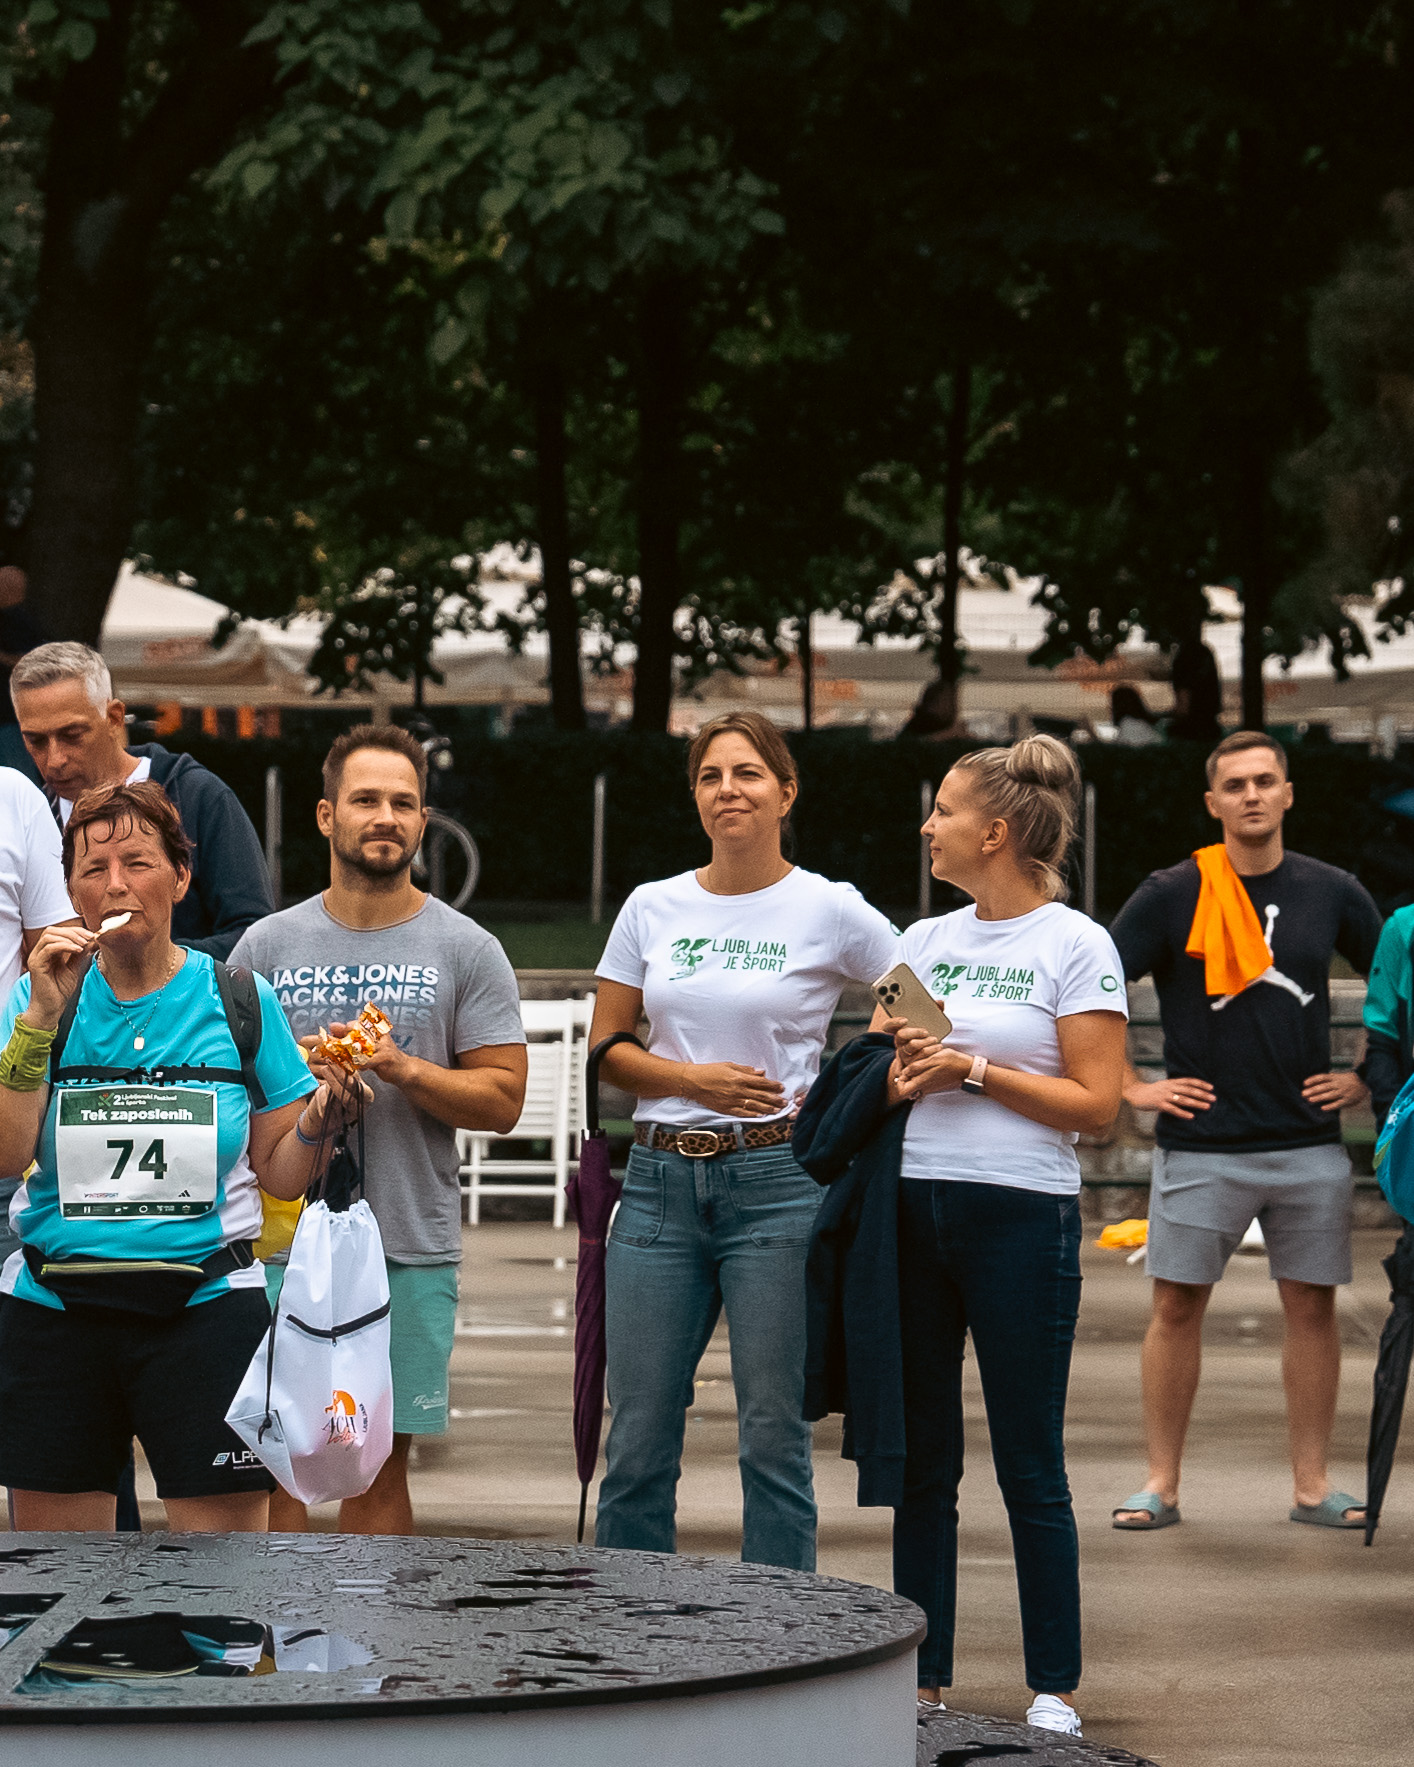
x=1049, y=1712
x=927, y=1708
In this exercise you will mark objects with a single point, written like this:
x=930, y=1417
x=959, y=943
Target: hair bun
x=1034, y=787
x=1043, y=761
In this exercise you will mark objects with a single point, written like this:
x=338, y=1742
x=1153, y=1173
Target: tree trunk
x=105, y=194
x=804, y=650
x=88, y=332
x=937, y=708
x=1256, y=586
x=660, y=403
x=959, y=427
x=1248, y=394
x=88, y=355
x=561, y=616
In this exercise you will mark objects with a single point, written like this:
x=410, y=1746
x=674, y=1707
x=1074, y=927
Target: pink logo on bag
x=348, y=1421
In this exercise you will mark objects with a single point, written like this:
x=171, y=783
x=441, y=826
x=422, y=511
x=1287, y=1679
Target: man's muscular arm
x=485, y=1090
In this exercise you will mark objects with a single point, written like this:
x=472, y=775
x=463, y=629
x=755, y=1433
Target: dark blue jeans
x=1003, y=1264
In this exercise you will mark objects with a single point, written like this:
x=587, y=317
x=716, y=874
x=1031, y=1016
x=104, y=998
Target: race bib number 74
x=135, y=1151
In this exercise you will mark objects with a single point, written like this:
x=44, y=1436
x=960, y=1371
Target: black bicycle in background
x=448, y=863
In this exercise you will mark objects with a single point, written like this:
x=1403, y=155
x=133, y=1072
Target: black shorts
x=77, y=1386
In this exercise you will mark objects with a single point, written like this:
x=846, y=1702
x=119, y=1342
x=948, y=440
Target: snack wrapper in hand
x=353, y=1050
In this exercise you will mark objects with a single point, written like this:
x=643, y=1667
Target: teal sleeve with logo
x=1390, y=979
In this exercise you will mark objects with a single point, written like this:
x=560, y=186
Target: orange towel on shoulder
x=1226, y=932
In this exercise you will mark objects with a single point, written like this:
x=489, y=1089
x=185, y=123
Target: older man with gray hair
x=76, y=734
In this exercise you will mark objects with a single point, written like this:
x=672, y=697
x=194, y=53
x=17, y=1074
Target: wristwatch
x=976, y=1077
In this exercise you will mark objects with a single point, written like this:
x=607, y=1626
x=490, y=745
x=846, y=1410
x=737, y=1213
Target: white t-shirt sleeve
x=868, y=941
x=43, y=896
x=623, y=960
x=1091, y=975
x=907, y=948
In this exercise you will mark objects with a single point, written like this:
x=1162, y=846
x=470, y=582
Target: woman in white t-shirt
x=739, y=967
x=989, y=1222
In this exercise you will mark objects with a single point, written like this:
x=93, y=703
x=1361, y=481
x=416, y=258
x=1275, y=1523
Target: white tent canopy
x=158, y=641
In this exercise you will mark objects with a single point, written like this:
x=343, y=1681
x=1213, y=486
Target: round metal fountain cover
x=192, y=1628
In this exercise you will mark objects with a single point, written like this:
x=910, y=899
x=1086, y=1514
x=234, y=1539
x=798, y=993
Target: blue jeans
x=690, y=1238
x=1004, y=1264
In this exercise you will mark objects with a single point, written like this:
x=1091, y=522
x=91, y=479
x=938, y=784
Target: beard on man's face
x=372, y=860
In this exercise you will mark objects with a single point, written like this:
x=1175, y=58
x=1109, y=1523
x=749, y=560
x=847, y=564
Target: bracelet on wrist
x=24, y=1062
x=975, y=1079
x=307, y=1140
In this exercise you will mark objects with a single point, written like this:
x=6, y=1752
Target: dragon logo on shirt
x=944, y=979
x=687, y=955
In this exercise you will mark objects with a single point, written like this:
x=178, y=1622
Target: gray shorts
x=1201, y=1204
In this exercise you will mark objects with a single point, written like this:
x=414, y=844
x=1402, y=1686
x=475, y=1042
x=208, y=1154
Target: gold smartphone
x=902, y=995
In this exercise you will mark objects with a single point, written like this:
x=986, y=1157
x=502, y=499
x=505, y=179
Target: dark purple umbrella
x=592, y=1193
x=1391, y=1379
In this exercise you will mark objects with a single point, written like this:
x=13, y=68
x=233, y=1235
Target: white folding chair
x=554, y=1111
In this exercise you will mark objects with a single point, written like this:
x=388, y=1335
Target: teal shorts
x=422, y=1329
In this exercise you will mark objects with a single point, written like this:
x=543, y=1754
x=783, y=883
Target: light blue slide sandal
x=1164, y=1514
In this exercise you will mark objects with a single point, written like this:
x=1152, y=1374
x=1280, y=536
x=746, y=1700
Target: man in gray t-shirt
x=455, y=1060
x=448, y=988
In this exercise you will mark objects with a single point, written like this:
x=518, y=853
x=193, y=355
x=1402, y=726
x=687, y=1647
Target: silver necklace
x=139, y=1039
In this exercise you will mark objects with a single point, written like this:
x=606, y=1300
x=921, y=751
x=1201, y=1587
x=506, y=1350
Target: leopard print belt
x=710, y=1144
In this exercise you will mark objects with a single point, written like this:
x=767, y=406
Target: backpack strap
x=241, y=1000
x=66, y=1024
x=155, y=1076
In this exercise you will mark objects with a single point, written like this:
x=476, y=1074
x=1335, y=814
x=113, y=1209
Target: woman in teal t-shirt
x=134, y=1305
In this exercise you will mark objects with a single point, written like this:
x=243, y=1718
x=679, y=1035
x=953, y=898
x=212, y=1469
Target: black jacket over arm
x=1384, y=1070
x=848, y=1138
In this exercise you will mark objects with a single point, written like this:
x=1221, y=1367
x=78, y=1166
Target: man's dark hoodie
x=849, y=1138
x=230, y=887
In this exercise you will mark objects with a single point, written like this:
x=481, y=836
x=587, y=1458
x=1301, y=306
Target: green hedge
x=527, y=799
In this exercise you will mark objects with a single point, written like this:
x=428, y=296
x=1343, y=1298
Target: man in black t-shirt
x=1248, y=1123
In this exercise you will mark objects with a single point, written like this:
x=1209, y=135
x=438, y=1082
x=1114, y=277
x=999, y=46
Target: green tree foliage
x=1359, y=474
x=736, y=313
x=297, y=435
x=590, y=150
x=1233, y=126
x=115, y=105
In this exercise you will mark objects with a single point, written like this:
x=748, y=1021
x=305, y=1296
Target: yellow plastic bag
x=278, y=1220
x=1125, y=1236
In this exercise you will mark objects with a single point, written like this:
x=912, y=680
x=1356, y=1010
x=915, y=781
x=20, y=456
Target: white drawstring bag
x=316, y=1404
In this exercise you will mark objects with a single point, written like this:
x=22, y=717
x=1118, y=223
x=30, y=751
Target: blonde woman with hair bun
x=989, y=1221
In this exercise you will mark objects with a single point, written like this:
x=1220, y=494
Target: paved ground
x=1235, y=1640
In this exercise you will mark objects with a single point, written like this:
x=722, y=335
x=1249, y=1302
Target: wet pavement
x=1234, y=1640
